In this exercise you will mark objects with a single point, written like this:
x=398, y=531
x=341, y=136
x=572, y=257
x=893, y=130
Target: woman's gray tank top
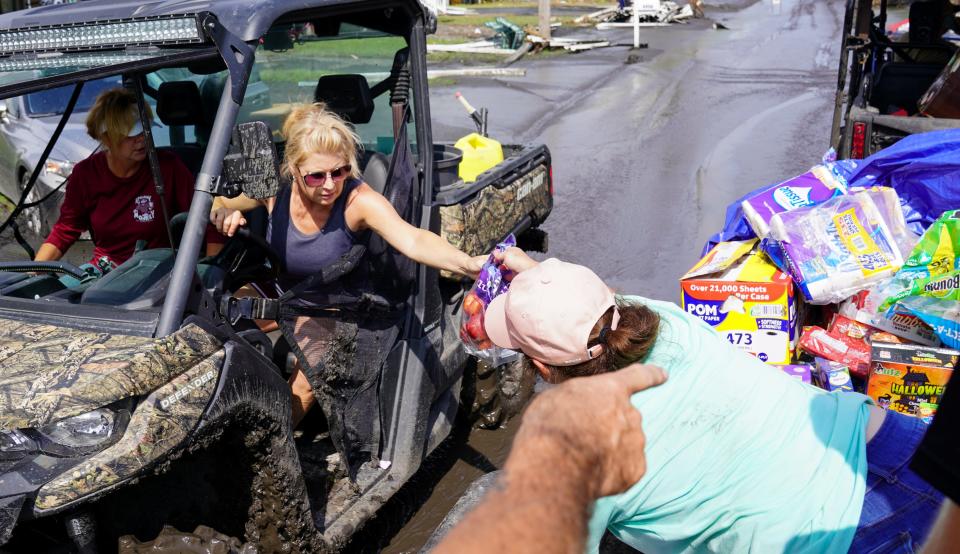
x=306, y=254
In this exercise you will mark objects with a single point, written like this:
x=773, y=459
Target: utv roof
x=247, y=19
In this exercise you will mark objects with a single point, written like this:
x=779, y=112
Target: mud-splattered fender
x=158, y=426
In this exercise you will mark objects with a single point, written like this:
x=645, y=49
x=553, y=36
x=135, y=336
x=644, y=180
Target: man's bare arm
x=578, y=442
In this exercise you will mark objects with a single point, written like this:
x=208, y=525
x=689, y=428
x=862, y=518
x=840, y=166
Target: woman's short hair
x=113, y=115
x=312, y=128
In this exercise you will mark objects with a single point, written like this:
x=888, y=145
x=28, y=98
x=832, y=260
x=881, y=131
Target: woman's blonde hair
x=312, y=128
x=113, y=115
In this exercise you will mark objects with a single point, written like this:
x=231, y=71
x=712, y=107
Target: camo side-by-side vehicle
x=145, y=395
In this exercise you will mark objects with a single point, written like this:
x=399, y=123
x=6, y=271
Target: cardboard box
x=942, y=99
x=833, y=376
x=736, y=289
x=910, y=379
x=802, y=372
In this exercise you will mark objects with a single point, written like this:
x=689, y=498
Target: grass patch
x=443, y=81
x=370, y=47
x=463, y=58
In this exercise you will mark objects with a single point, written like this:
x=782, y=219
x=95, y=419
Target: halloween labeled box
x=910, y=379
x=736, y=289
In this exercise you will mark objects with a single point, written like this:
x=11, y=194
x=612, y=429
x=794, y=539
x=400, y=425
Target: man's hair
x=312, y=129
x=113, y=115
x=630, y=342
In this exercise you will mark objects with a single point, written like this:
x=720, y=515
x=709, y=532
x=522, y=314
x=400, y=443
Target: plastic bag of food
x=938, y=250
x=841, y=246
x=943, y=316
x=491, y=283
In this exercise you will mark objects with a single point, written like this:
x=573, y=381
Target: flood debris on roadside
x=648, y=13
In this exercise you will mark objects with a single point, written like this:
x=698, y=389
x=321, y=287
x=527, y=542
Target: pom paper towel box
x=745, y=298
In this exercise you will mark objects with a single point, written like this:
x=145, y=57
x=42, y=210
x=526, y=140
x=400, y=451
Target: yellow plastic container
x=480, y=153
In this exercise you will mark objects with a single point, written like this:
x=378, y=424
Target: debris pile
x=649, y=14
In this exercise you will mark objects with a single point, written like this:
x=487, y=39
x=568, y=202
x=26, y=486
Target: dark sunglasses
x=320, y=177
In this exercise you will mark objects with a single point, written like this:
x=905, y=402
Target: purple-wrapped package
x=842, y=246
x=813, y=187
x=491, y=283
x=802, y=372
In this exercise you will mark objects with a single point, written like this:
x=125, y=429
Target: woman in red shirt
x=112, y=193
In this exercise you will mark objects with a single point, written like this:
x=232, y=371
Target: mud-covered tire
x=494, y=395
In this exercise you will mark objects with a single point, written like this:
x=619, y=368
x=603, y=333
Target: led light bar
x=70, y=62
x=102, y=35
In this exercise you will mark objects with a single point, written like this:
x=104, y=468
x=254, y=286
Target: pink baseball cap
x=549, y=311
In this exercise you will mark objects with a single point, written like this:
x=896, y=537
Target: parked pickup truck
x=881, y=79
x=146, y=395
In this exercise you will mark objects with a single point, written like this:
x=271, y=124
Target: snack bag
x=943, y=316
x=843, y=245
x=842, y=349
x=491, y=283
x=938, y=250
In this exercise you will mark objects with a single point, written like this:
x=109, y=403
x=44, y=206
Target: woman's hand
x=227, y=220
x=514, y=260
x=475, y=265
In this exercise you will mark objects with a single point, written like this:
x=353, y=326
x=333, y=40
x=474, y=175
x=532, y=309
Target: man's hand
x=578, y=441
x=591, y=422
x=227, y=220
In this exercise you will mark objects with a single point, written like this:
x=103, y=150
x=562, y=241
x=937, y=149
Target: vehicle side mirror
x=251, y=164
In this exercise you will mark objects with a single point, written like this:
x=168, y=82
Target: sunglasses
x=318, y=178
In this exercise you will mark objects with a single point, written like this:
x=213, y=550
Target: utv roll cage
x=127, y=37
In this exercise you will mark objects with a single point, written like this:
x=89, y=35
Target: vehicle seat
x=901, y=84
x=374, y=167
x=349, y=97
x=179, y=104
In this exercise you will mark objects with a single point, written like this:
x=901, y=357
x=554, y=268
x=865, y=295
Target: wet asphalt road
x=646, y=155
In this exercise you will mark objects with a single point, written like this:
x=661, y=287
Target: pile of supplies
x=846, y=277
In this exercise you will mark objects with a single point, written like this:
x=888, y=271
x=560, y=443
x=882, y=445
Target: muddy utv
x=145, y=394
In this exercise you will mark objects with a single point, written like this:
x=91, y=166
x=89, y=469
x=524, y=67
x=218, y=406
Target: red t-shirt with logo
x=120, y=211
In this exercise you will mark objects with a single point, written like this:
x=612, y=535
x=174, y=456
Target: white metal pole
x=636, y=24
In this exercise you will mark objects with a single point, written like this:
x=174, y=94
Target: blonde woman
x=321, y=215
x=112, y=193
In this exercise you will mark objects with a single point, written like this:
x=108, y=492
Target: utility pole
x=545, y=19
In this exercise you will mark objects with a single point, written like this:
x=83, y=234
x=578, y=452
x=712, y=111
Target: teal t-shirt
x=741, y=457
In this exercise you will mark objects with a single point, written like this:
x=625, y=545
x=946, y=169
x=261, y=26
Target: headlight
x=83, y=431
x=59, y=168
x=74, y=436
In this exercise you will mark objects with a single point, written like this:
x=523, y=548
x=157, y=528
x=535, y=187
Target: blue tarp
x=924, y=169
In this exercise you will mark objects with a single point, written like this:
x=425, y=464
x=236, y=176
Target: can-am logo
x=189, y=387
x=790, y=197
